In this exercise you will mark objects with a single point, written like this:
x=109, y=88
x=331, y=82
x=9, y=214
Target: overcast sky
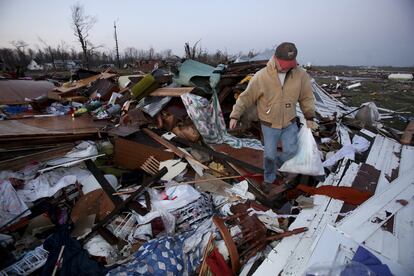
x=326, y=32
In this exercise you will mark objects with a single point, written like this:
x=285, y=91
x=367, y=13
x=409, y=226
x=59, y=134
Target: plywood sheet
x=16, y=91
x=49, y=126
x=132, y=155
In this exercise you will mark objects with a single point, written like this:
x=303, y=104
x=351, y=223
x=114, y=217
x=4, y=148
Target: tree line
x=20, y=54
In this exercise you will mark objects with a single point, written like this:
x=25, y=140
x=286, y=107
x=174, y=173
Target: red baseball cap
x=286, y=55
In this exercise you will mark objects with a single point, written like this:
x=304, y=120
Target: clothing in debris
x=368, y=259
x=217, y=264
x=169, y=255
x=208, y=119
x=75, y=259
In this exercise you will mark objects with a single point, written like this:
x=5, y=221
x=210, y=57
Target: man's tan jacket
x=276, y=105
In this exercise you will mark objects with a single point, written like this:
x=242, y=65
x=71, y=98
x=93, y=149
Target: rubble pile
x=109, y=174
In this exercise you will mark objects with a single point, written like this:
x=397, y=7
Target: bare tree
x=151, y=52
x=81, y=25
x=190, y=52
x=62, y=50
x=166, y=53
x=49, y=50
x=20, y=46
x=131, y=54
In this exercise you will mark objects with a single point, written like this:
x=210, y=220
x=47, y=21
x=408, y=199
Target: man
x=275, y=90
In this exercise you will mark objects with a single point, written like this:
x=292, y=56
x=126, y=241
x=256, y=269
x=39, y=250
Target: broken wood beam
x=220, y=155
x=120, y=207
x=173, y=148
x=407, y=136
x=103, y=182
x=19, y=162
x=171, y=91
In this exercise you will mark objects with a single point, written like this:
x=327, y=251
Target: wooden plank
x=109, y=190
x=335, y=246
x=70, y=87
x=252, y=156
x=343, y=134
x=118, y=209
x=286, y=251
x=407, y=159
x=388, y=164
x=407, y=137
x=20, y=161
x=132, y=155
x=383, y=242
x=180, y=153
x=328, y=215
x=221, y=156
x=404, y=219
x=48, y=126
x=375, y=151
x=368, y=133
x=404, y=229
x=368, y=227
x=18, y=91
x=171, y=91
x=370, y=214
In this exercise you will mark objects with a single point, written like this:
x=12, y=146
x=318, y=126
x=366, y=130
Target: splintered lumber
x=407, y=137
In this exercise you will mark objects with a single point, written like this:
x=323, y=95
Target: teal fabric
x=194, y=73
x=206, y=115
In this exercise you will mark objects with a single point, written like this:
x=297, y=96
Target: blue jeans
x=272, y=159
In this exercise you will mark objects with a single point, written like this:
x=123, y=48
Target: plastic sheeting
x=307, y=160
x=49, y=183
x=10, y=204
x=174, y=197
x=359, y=144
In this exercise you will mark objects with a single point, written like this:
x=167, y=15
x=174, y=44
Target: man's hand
x=232, y=124
x=311, y=124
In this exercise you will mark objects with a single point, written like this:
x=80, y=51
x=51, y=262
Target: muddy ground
x=375, y=87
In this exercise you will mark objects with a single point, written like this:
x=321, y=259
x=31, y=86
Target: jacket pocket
x=289, y=110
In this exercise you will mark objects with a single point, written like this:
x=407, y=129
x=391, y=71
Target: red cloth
x=347, y=194
x=217, y=264
x=287, y=64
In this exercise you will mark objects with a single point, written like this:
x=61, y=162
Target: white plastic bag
x=307, y=160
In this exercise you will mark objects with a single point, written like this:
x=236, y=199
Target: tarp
x=194, y=73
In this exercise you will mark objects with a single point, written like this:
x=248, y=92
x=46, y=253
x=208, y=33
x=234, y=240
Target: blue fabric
x=162, y=256
x=157, y=257
x=289, y=139
x=368, y=259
